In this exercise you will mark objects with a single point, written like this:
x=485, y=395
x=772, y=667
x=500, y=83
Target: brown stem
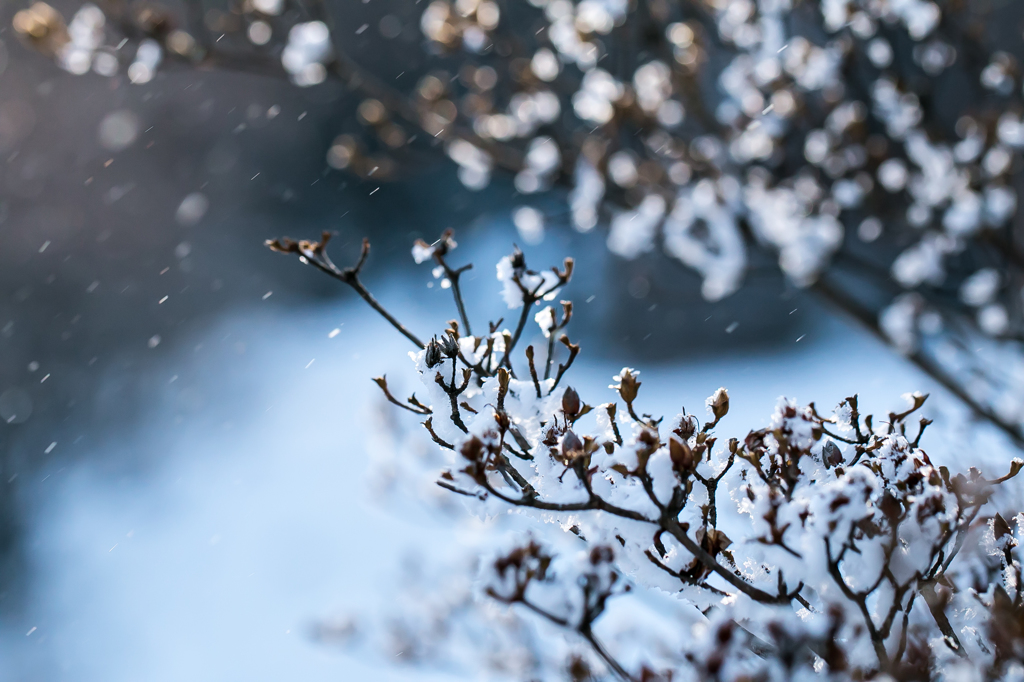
x=315, y=254
x=383, y=383
x=429, y=426
x=594, y=503
x=861, y=601
x=453, y=277
x=672, y=526
x=709, y=561
x=506, y=360
x=453, y=395
x=533, y=370
x=937, y=608
x=574, y=350
x=551, y=353
x=369, y=298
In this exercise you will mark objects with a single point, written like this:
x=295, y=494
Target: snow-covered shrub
x=825, y=544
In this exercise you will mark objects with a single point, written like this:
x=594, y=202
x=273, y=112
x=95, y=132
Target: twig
x=429, y=425
x=574, y=350
x=453, y=394
x=383, y=383
x=533, y=369
x=313, y=253
x=609, y=660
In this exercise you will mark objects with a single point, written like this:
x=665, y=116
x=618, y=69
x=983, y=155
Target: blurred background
x=187, y=418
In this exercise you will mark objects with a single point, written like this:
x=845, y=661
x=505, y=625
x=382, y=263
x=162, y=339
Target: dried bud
x=916, y=400
x=754, y=442
x=567, y=266
x=686, y=428
x=433, y=355
x=718, y=404
x=518, y=261
x=890, y=506
x=572, y=446
x=831, y=455
x=566, y=312
x=447, y=242
x=602, y=554
x=282, y=245
x=715, y=540
x=681, y=455
x=570, y=403
x=449, y=345
x=503, y=379
x=472, y=449
x=502, y=420
x=1001, y=529
x=628, y=386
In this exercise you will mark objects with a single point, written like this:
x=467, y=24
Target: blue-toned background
x=184, y=485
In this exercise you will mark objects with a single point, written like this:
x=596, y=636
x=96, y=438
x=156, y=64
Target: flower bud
x=449, y=345
x=570, y=403
x=681, y=456
x=503, y=379
x=502, y=420
x=628, y=386
x=472, y=449
x=518, y=260
x=831, y=454
x=572, y=446
x=686, y=428
x=718, y=404
x=433, y=355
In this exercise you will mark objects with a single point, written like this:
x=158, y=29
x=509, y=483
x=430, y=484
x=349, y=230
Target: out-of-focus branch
x=842, y=301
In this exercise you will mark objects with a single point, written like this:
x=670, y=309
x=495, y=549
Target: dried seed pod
x=628, y=385
x=572, y=446
x=449, y=345
x=831, y=455
x=518, y=260
x=719, y=403
x=472, y=449
x=686, y=428
x=570, y=403
x=681, y=455
x=433, y=356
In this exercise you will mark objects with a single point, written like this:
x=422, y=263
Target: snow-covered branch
x=826, y=542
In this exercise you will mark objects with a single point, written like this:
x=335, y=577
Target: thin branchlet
x=315, y=254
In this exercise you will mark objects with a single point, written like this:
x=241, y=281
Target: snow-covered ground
x=252, y=516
